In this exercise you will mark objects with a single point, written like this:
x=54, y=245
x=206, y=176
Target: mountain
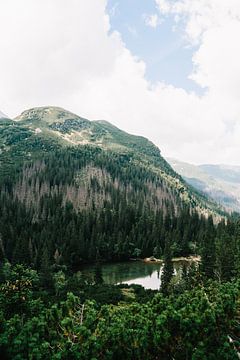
x=69, y=129
x=66, y=129
x=74, y=190
x=225, y=173
x=220, y=182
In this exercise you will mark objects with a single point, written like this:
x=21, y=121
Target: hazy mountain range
x=220, y=182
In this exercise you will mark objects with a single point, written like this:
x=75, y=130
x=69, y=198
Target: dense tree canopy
x=196, y=324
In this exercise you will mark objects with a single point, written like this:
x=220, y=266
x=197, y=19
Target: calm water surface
x=132, y=272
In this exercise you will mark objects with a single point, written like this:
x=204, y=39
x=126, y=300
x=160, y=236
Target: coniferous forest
x=63, y=207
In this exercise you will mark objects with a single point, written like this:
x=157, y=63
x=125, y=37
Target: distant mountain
x=220, y=182
x=226, y=173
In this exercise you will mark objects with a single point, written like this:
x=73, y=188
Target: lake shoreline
x=147, y=260
x=190, y=259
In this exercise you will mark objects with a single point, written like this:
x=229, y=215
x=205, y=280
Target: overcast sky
x=168, y=70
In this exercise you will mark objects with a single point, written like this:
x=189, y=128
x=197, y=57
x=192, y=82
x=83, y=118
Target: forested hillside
x=74, y=191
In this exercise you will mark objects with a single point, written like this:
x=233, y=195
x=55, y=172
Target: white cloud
x=50, y=50
x=132, y=30
x=200, y=16
x=2, y=115
x=114, y=10
x=152, y=20
x=215, y=26
x=53, y=54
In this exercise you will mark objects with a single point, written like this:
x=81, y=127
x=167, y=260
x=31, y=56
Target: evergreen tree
x=46, y=275
x=226, y=257
x=168, y=269
x=98, y=276
x=208, y=253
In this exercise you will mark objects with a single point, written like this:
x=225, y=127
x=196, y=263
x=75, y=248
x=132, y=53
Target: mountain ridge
x=220, y=182
x=76, y=190
x=54, y=127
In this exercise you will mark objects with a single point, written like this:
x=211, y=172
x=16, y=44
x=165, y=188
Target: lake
x=132, y=272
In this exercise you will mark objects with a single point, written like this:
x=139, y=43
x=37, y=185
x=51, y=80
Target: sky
x=165, y=69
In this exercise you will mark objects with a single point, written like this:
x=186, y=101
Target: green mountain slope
x=47, y=128
x=70, y=129
x=74, y=190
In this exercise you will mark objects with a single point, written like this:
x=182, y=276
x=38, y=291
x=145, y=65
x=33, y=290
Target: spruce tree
x=168, y=270
x=226, y=259
x=98, y=276
x=208, y=253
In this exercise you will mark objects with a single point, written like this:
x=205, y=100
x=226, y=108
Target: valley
x=220, y=182
x=80, y=199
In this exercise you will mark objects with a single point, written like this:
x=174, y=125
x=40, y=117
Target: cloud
x=214, y=26
x=114, y=10
x=49, y=50
x=2, y=115
x=53, y=54
x=152, y=20
x=200, y=16
x=132, y=30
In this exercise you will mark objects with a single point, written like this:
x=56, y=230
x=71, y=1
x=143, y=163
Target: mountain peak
x=47, y=114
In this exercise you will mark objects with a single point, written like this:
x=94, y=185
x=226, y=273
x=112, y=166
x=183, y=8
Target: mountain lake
x=132, y=272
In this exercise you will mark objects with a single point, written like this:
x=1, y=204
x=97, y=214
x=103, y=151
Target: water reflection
x=135, y=272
